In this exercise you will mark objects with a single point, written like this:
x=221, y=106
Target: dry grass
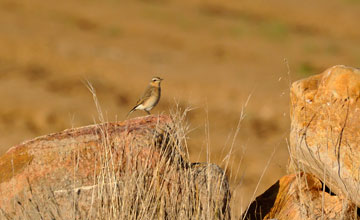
x=173, y=189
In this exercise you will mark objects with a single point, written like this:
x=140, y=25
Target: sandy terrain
x=213, y=56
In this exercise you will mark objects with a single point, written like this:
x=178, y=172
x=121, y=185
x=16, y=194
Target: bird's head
x=155, y=81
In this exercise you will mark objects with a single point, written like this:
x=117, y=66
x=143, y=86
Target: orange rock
x=131, y=169
x=299, y=197
x=325, y=129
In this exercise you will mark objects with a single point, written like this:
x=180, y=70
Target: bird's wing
x=145, y=96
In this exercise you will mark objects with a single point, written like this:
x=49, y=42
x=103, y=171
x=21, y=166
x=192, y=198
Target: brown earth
x=212, y=54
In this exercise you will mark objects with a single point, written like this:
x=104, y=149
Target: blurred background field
x=213, y=55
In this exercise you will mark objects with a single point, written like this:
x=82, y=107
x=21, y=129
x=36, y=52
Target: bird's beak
x=161, y=79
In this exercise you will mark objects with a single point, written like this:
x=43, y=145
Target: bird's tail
x=131, y=111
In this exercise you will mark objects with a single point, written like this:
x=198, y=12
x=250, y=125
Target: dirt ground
x=213, y=55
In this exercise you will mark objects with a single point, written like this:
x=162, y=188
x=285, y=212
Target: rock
x=325, y=129
x=210, y=182
x=299, y=197
x=134, y=169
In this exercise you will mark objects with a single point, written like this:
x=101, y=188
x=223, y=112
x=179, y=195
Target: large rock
x=325, y=129
x=135, y=169
x=299, y=197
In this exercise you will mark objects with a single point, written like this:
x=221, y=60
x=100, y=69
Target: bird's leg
x=147, y=112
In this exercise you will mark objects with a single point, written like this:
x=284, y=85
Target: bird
x=150, y=98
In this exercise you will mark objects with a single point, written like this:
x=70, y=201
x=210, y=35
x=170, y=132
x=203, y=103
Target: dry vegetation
x=173, y=189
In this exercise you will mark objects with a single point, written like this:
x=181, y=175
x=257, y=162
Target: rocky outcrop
x=325, y=129
x=134, y=169
x=324, y=148
x=300, y=197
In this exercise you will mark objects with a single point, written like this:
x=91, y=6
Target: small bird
x=150, y=97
